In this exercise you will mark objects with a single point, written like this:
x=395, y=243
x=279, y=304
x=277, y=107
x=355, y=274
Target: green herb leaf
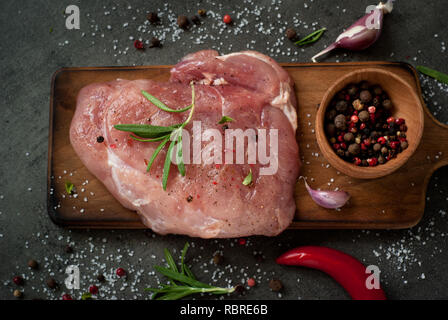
x=156, y=152
x=248, y=180
x=86, y=296
x=167, y=165
x=179, y=156
x=159, y=104
x=150, y=133
x=69, y=187
x=312, y=37
x=440, y=76
x=188, y=284
x=148, y=140
x=225, y=119
x=147, y=130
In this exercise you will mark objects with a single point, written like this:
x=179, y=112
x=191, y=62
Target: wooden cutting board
x=392, y=202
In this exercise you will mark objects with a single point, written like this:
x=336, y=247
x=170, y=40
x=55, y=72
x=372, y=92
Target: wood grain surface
x=393, y=201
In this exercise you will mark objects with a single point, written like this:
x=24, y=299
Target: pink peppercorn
x=138, y=44
x=381, y=140
x=372, y=162
x=399, y=121
x=93, y=289
x=120, y=272
x=18, y=280
x=343, y=145
x=371, y=109
x=354, y=119
x=242, y=241
x=227, y=19
x=251, y=282
x=362, y=126
x=390, y=120
x=394, y=144
x=336, y=146
x=357, y=161
x=67, y=297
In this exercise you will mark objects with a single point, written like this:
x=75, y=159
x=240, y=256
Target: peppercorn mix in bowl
x=369, y=123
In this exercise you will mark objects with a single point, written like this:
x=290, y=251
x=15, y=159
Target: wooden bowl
x=406, y=105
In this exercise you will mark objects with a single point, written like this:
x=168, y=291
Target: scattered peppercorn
x=218, y=259
x=195, y=20
x=17, y=293
x=202, y=12
x=51, y=283
x=33, y=264
x=189, y=198
x=360, y=127
x=18, y=280
x=68, y=249
x=251, y=282
x=227, y=19
x=101, y=278
x=100, y=139
x=240, y=288
x=121, y=272
x=259, y=257
x=67, y=297
x=155, y=43
x=291, y=34
x=242, y=241
x=153, y=17
x=275, y=285
x=182, y=22
x=93, y=289
x=138, y=44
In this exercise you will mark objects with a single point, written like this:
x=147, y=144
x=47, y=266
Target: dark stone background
x=35, y=43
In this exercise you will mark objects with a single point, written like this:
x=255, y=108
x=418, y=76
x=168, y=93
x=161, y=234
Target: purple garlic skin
x=328, y=199
x=363, y=33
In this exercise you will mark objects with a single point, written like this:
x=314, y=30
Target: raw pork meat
x=210, y=201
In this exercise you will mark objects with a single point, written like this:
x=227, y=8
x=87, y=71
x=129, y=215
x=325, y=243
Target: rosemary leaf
x=156, y=152
x=148, y=140
x=169, y=259
x=167, y=165
x=147, y=130
x=312, y=37
x=159, y=104
x=181, y=278
x=179, y=156
x=440, y=76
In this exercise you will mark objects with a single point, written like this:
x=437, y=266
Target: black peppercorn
x=331, y=129
x=202, y=12
x=364, y=116
x=189, y=198
x=339, y=122
x=155, y=43
x=291, y=34
x=275, y=285
x=404, y=145
x=182, y=22
x=195, y=20
x=100, y=139
x=33, y=264
x=331, y=114
x=218, y=259
x=341, y=106
x=340, y=152
x=377, y=90
x=352, y=90
x=51, y=283
x=384, y=150
x=387, y=104
x=365, y=96
x=68, y=249
x=240, y=288
x=153, y=17
x=100, y=278
x=376, y=147
x=349, y=137
x=354, y=149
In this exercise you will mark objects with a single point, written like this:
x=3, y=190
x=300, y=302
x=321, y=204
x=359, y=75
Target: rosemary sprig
x=440, y=76
x=150, y=133
x=187, y=283
x=312, y=37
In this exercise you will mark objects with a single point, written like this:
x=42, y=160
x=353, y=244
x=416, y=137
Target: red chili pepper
x=346, y=270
